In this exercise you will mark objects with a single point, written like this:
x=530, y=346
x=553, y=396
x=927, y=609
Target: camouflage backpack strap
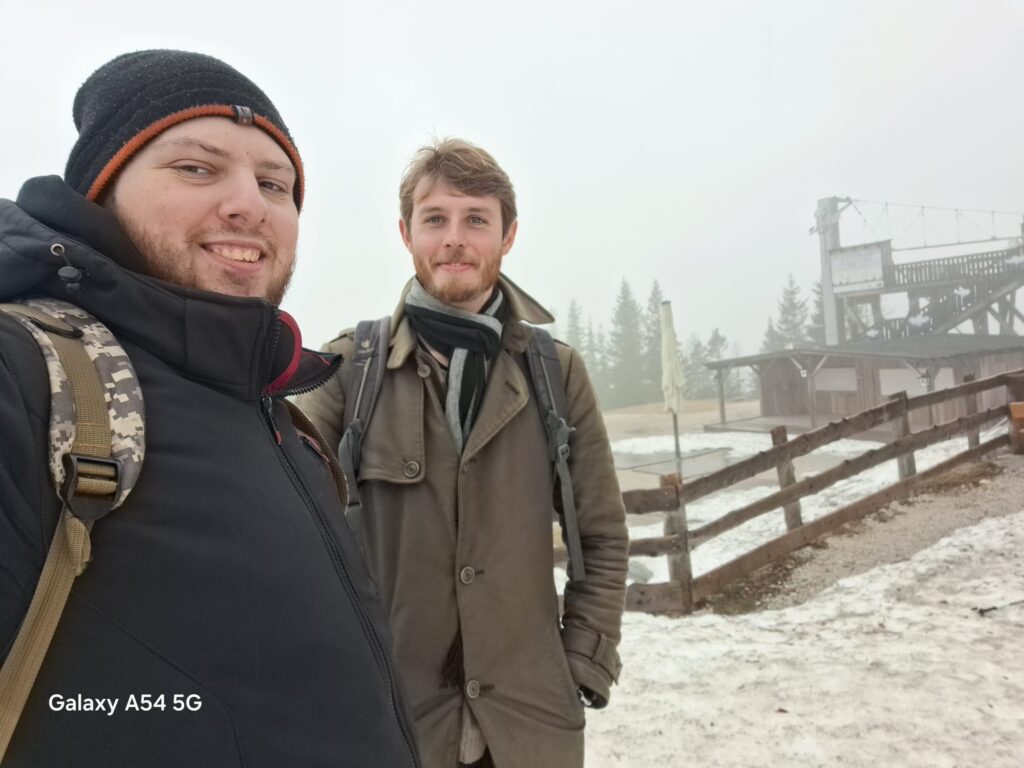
x=546, y=373
x=97, y=444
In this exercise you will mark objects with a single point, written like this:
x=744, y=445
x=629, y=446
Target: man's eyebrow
x=194, y=143
x=190, y=143
x=270, y=165
x=471, y=209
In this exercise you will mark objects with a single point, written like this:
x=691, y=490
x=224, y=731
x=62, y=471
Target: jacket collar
x=523, y=308
x=223, y=341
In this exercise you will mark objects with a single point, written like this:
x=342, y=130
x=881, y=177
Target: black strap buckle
x=78, y=470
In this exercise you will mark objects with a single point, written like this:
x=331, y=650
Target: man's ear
x=403, y=228
x=510, y=238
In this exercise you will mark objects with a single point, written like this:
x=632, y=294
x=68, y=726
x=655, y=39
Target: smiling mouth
x=246, y=254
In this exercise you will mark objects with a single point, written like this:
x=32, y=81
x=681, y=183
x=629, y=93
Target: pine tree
x=816, y=324
x=698, y=381
x=652, y=344
x=625, y=350
x=792, y=316
x=734, y=385
x=715, y=350
x=716, y=345
x=574, y=326
x=592, y=351
x=589, y=350
x=600, y=353
x=773, y=340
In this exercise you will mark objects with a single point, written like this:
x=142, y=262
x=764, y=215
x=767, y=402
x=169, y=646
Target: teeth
x=235, y=253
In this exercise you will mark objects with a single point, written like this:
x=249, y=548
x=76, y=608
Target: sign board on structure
x=860, y=267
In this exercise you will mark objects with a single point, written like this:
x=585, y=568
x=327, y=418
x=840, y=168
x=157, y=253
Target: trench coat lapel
x=506, y=395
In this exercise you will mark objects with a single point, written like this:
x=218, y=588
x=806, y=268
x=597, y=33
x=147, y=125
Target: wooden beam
x=952, y=393
x=720, y=375
x=656, y=546
x=714, y=581
x=798, y=446
x=651, y=500
x=836, y=430
x=971, y=408
x=848, y=468
x=787, y=477
x=900, y=430
x=654, y=598
x=679, y=568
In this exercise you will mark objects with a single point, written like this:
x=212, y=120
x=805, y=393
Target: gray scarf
x=469, y=341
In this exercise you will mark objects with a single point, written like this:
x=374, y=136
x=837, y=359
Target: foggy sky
x=683, y=142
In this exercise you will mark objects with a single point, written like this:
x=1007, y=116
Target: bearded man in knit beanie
x=225, y=617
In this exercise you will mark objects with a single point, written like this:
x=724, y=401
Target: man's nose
x=243, y=202
x=454, y=237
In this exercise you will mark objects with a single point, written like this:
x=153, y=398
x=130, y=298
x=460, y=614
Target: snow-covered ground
x=893, y=667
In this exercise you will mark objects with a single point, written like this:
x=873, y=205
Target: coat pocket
x=568, y=684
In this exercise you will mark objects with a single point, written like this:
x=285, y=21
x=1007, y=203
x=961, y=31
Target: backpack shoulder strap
x=362, y=386
x=97, y=444
x=546, y=373
x=370, y=359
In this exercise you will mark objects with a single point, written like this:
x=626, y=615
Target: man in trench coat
x=458, y=491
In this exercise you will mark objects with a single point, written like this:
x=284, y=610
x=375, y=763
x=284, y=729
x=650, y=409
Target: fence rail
x=683, y=590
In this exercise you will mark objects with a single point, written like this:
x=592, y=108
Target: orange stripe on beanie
x=135, y=97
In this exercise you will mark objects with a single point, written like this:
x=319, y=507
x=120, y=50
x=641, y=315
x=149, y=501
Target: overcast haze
x=681, y=142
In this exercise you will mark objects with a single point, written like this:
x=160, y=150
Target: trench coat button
x=472, y=689
x=423, y=371
x=466, y=575
x=411, y=468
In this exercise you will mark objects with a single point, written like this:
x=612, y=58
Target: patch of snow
x=892, y=667
x=739, y=444
x=919, y=320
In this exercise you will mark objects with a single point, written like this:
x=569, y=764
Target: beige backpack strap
x=90, y=489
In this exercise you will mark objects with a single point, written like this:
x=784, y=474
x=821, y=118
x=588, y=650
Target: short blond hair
x=463, y=166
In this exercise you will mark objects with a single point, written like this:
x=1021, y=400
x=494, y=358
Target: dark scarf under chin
x=469, y=341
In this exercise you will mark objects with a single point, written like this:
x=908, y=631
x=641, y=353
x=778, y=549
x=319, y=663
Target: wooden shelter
x=821, y=384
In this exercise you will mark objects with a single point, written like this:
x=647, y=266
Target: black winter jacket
x=228, y=579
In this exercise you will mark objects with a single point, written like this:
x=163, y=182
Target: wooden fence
x=683, y=591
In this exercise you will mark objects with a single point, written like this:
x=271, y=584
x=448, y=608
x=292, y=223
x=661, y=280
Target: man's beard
x=456, y=292
x=173, y=263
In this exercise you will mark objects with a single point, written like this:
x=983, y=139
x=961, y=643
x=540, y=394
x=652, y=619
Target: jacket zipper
x=307, y=388
x=339, y=562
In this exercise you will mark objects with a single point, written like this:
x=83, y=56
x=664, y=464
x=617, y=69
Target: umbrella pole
x=679, y=455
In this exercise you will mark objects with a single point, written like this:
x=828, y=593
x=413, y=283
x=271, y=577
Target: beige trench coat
x=465, y=543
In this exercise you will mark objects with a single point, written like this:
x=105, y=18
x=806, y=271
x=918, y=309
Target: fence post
x=787, y=476
x=1015, y=394
x=970, y=409
x=679, y=568
x=901, y=428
